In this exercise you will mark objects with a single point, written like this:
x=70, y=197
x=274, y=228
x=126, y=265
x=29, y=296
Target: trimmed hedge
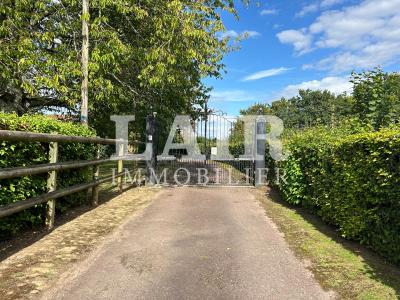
x=351, y=181
x=17, y=154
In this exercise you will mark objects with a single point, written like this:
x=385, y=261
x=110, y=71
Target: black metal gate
x=210, y=131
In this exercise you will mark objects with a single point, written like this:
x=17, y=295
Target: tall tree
x=377, y=97
x=143, y=54
x=39, y=67
x=85, y=61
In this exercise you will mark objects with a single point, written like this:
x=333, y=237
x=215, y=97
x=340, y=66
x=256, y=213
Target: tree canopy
x=377, y=97
x=144, y=55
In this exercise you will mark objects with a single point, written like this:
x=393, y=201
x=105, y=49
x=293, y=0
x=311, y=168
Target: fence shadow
x=377, y=268
x=29, y=236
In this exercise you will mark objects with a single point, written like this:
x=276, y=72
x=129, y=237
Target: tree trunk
x=85, y=61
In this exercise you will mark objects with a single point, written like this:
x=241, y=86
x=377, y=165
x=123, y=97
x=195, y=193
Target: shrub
x=351, y=181
x=17, y=154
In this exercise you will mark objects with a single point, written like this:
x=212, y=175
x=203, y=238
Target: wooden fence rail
x=54, y=166
x=28, y=203
x=9, y=173
x=47, y=138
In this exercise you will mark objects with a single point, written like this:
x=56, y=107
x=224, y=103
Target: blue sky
x=304, y=44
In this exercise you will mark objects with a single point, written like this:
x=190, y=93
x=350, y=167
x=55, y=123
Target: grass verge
x=347, y=268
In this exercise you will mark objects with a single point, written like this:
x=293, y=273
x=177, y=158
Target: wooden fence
x=54, y=166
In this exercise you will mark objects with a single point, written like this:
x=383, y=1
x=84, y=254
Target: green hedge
x=351, y=181
x=17, y=154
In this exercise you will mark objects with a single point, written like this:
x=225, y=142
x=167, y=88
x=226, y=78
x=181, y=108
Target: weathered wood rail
x=54, y=166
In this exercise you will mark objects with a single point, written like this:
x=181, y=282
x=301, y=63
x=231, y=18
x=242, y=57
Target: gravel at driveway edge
x=37, y=267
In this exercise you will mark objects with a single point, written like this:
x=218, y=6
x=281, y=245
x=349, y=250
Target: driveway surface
x=193, y=243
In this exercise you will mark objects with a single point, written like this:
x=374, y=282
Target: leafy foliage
x=351, y=180
x=338, y=166
x=312, y=108
x=17, y=154
x=377, y=97
x=145, y=56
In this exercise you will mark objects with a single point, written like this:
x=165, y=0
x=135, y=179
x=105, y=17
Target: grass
x=347, y=268
x=106, y=168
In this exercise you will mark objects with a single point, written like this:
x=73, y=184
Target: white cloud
x=311, y=8
x=266, y=12
x=235, y=34
x=365, y=35
x=317, y=6
x=335, y=85
x=329, y=3
x=266, y=73
x=251, y=33
x=300, y=39
x=229, y=33
x=232, y=95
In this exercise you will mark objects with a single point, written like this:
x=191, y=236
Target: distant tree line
x=375, y=100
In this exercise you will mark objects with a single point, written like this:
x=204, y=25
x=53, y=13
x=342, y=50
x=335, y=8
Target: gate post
x=151, y=138
x=259, y=163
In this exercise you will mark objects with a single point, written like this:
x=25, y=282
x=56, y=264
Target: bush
x=351, y=181
x=17, y=154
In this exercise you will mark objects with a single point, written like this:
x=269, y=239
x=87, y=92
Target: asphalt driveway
x=193, y=243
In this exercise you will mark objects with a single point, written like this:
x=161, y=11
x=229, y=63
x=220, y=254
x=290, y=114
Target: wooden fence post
x=120, y=165
x=96, y=174
x=51, y=185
